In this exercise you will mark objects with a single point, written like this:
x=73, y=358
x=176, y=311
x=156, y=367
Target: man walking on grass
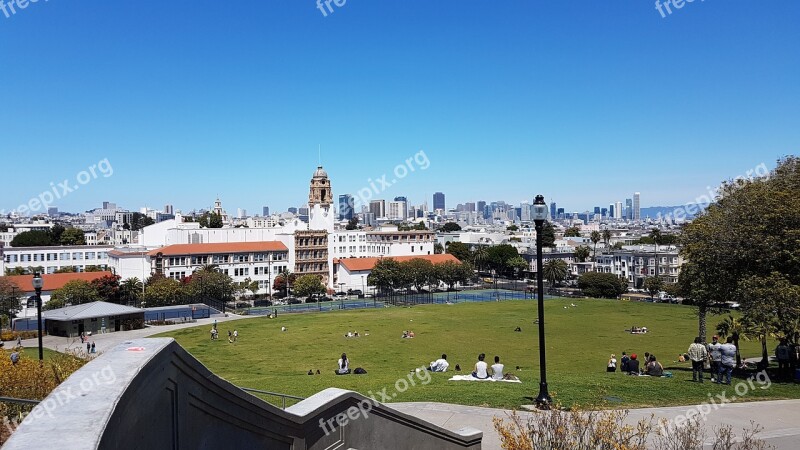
x=698, y=354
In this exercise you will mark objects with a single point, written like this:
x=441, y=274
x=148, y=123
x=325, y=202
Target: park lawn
x=579, y=342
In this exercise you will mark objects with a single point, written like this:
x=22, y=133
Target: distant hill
x=662, y=211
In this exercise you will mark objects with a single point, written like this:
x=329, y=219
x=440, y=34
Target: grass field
x=579, y=342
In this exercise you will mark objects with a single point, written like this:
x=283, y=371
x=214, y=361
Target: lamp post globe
x=543, y=400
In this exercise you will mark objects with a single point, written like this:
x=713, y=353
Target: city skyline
x=608, y=102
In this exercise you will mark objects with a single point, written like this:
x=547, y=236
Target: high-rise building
x=292, y=210
x=438, y=201
x=345, y=207
x=597, y=210
x=604, y=212
x=397, y=210
x=553, y=211
x=401, y=199
x=481, y=209
x=302, y=213
x=560, y=213
x=525, y=212
x=469, y=207
x=52, y=211
x=168, y=209
x=611, y=214
x=618, y=210
x=629, y=209
x=378, y=208
x=265, y=211
x=241, y=213
x=636, y=211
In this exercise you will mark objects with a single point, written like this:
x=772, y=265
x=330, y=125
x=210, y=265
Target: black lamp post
x=539, y=216
x=37, y=286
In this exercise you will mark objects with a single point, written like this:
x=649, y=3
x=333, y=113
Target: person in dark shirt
x=654, y=368
x=633, y=365
x=624, y=362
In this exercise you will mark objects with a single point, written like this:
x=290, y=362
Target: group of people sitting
x=482, y=370
x=408, y=334
x=351, y=334
x=630, y=365
x=638, y=330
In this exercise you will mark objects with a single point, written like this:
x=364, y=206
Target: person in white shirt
x=497, y=369
x=343, y=363
x=480, y=371
x=440, y=365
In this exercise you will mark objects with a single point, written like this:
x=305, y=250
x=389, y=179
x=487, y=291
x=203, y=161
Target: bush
x=7, y=335
x=132, y=324
x=607, y=430
x=602, y=285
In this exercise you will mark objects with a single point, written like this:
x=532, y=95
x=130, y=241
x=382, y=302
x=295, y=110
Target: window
x=77, y=256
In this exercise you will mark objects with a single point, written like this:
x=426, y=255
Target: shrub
x=8, y=335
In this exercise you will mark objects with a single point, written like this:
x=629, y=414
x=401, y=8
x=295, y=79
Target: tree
x=33, y=238
x=352, y=224
x=512, y=228
x=56, y=231
x=480, y=256
x=517, y=265
x=595, y=238
x=582, y=253
x=107, y=288
x=606, y=237
x=452, y=273
x=460, y=250
x=93, y=268
x=602, y=285
x=139, y=221
x=555, y=270
x=499, y=256
x=384, y=275
x=72, y=236
x=749, y=231
x=572, y=232
x=131, y=291
x=450, y=227
x=653, y=286
x=307, y=285
x=438, y=249
x=75, y=292
x=734, y=328
x=279, y=285
x=210, y=286
x=10, y=298
x=65, y=269
x=163, y=291
x=420, y=272
x=769, y=302
x=548, y=235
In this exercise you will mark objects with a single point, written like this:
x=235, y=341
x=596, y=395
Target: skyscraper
x=629, y=209
x=345, y=207
x=265, y=211
x=398, y=210
x=168, y=209
x=438, y=201
x=618, y=210
x=611, y=211
x=636, y=210
x=401, y=199
x=481, y=209
x=553, y=211
x=378, y=208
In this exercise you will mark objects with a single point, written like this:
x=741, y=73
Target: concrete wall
x=150, y=393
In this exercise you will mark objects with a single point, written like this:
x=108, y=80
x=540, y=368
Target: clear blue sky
x=582, y=101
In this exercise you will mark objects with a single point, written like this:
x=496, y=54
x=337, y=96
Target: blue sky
x=582, y=101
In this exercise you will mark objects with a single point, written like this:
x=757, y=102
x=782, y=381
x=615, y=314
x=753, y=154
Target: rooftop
x=89, y=311
x=54, y=281
x=359, y=264
x=225, y=247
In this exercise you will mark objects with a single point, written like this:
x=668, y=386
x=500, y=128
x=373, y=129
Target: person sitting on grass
x=440, y=365
x=633, y=365
x=497, y=369
x=480, y=371
x=624, y=362
x=612, y=364
x=654, y=368
x=344, y=364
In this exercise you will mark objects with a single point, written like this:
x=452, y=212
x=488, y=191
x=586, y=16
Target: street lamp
x=539, y=216
x=37, y=286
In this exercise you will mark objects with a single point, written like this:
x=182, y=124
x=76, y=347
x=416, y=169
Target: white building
x=353, y=273
x=364, y=244
x=50, y=259
x=635, y=263
x=51, y=282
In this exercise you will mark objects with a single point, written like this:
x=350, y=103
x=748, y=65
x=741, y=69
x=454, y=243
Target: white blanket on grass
x=471, y=378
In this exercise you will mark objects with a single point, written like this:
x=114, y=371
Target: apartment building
x=51, y=259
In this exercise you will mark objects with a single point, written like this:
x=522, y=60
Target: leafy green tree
x=512, y=228
x=93, y=268
x=450, y=227
x=352, y=224
x=617, y=246
x=555, y=271
x=131, y=291
x=307, y=285
x=163, y=292
x=452, y=273
x=602, y=285
x=73, y=236
x=572, y=232
x=548, y=235
x=279, y=285
x=56, y=231
x=460, y=250
x=420, y=272
x=75, y=292
x=768, y=304
x=595, y=238
x=517, y=265
x=210, y=286
x=653, y=286
x=480, y=256
x=606, y=237
x=139, y=221
x=66, y=269
x=499, y=256
x=582, y=253
x=384, y=276
x=438, y=249
x=33, y=238
x=15, y=271
x=420, y=226
x=736, y=329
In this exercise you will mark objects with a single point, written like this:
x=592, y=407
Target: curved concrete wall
x=151, y=393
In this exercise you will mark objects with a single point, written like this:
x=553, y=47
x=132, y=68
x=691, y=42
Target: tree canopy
x=450, y=227
x=572, y=232
x=602, y=285
x=460, y=250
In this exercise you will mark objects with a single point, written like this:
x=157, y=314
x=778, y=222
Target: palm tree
x=479, y=256
x=555, y=270
x=655, y=235
x=734, y=328
x=131, y=288
x=581, y=253
x=595, y=238
x=607, y=237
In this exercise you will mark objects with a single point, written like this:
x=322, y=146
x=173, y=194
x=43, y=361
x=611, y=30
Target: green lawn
x=579, y=341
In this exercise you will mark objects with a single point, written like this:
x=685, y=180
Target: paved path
x=780, y=419
x=110, y=340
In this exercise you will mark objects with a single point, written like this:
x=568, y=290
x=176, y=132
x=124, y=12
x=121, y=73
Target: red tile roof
x=224, y=247
x=360, y=264
x=54, y=281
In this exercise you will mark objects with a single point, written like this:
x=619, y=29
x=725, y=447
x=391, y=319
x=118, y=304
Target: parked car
x=340, y=295
x=292, y=301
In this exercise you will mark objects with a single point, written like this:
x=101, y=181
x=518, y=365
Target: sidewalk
x=110, y=340
x=780, y=419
